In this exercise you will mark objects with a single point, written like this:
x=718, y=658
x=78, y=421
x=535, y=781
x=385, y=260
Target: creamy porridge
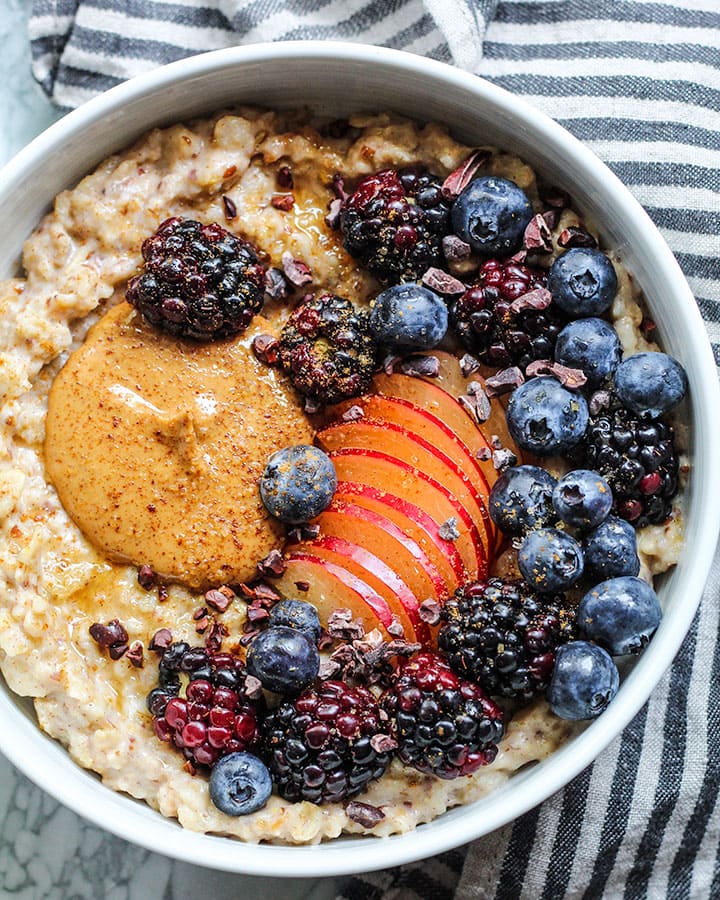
x=55, y=584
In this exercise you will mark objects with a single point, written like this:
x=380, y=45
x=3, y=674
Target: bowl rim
x=44, y=760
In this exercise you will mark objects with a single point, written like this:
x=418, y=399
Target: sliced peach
x=430, y=425
x=415, y=451
x=415, y=522
x=374, y=572
x=381, y=536
x=384, y=472
x=329, y=587
x=452, y=380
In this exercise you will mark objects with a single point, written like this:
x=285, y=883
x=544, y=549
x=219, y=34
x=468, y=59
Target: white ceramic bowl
x=336, y=79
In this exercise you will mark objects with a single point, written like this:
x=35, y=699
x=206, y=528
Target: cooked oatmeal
x=53, y=582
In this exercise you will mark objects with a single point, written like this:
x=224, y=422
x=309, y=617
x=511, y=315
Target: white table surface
x=46, y=851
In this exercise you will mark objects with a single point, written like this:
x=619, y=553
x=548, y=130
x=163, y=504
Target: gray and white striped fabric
x=640, y=83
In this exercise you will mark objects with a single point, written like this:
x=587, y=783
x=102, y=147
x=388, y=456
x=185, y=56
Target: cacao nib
x=275, y=284
x=455, y=249
x=108, y=635
x=448, y=531
x=352, y=414
x=147, y=579
x=116, y=651
x=284, y=202
x=266, y=347
x=457, y=181
x=476, y=402
x=253, y=687
x=504, y=381
x=136, y=654
x=219, y=599
x=428, y=366
x=383, y=743
x=272, y=565
x=442, y=282
x=468, y=364
x=163, y=593
x=213, y=641
x=341, y=625
x=161, y=640
x=364, y=813
x=295, y=270
x=576, y=237
x=573, y=379
x=539, y=298
x=538, y=236
x=429, y=612
x=229, y=208
x=502, y=459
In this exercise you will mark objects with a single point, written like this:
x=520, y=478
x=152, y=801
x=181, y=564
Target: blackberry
x=497, y=333
x=215, y=717
x=502, y=635
x=319, y=747
x=199, y=281
x=444, y=726
x=394, y=223
x=637, y=457
x=327, y=350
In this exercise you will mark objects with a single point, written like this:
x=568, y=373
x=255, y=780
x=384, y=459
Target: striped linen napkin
x=639, y=82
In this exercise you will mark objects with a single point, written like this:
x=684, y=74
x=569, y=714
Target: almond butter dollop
x=155, y=446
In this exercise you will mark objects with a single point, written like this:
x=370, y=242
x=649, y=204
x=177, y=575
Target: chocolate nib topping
x=576, y=237
x=440, y=281
x=428, y=366
x=504, y=381
x=363, y=813
x=573, y=379
x=457, y=181
x=295, y=270
x=537, y=235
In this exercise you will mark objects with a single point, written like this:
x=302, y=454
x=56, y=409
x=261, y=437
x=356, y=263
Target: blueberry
x=408, y=317
x=591, y=345
x=239, y=784
x=491, y=215
x=550, y=560
x=611, y=549
x=582, y=498
x=545, y=418
x=298, y=483
x=298, y=615
x=582, y=282
x=283, y=659
x=584, y=681
x=620, y=614
x=650, y=383
x=521, y=499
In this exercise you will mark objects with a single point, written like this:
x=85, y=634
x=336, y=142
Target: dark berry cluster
x=504, y=636
x=444, y=725
x=323, y=747
x=215, y=716
x=498, y=326
x=637, y=456
x=394, y=223
x=327, y=350
x=198, y=281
